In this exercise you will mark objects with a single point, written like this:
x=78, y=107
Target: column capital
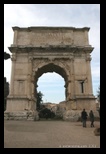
x=28, y=77
x=88, y=58
x=50, y=59
x=30, y=59
x=32, y=79
x=13, y=58
x=72, y=59
x=33, y=73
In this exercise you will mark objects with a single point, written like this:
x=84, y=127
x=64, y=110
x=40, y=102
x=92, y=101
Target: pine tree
x=39, y=99
x=6, y=55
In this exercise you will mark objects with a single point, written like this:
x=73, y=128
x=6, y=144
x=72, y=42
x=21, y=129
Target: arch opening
x=51, y=85
x=51, y=68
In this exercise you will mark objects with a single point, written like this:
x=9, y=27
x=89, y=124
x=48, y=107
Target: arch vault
x=38, y=50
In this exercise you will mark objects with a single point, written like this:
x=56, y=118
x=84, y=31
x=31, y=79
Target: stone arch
x=37, y=50
x=55, y=62
x=51, y=67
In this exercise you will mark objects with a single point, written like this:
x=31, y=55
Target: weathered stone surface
x=36, y=116
x=19, y=115
x=38, y=50
x=43, y=36
x=75, y=115
x=72, y=115
x=97, y=131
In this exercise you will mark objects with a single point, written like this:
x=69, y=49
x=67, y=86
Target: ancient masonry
x=37, y=50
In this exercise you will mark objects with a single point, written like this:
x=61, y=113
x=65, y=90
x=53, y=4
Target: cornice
x=64, y=48
x=49, y=28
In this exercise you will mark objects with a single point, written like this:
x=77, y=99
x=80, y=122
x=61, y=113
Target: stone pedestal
x=75, y=115
x=21, y=115
x=20, y=108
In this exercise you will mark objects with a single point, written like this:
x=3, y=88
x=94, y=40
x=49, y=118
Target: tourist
x=91, y=116
x=84, y=117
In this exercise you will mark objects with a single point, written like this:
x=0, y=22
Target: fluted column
x=72, y=84
x=15, y=37
x=33, y=85
x=89, y=86
x=69, y=90
x=85, y=85
x=13, y=59
x=29, y=76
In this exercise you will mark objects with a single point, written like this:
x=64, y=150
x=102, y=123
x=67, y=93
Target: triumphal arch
x=38, y=50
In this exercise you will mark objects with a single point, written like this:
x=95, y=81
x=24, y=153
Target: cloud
x=22, y=15
x=7, y=69
x=50, y=78
x=96, y=71
x=53, y=91
x=51, y=84
x=53, y=96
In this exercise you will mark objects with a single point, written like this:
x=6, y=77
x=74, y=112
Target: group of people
x=84, y=116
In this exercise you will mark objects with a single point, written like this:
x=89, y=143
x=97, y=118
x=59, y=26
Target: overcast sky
x=73, y=15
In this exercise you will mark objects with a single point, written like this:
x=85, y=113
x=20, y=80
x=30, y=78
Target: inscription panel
x=40, y=39
x=51, y=36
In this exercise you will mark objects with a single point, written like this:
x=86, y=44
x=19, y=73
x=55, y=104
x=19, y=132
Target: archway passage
x=51, y=85
x=50, y=68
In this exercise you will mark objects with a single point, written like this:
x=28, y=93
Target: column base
x=82, y=102
x=75, y=115
x=21, y=115
x=20, y=108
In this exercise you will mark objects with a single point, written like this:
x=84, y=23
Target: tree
x=39, y=99
x=98, y=94
x=98, y=97
x=6, y=55
x=6, y=84
x=46, y=113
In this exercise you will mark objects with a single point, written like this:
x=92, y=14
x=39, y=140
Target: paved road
x=49, y=134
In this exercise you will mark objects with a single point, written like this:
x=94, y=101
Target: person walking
x=91, y=116
x=84, y=117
